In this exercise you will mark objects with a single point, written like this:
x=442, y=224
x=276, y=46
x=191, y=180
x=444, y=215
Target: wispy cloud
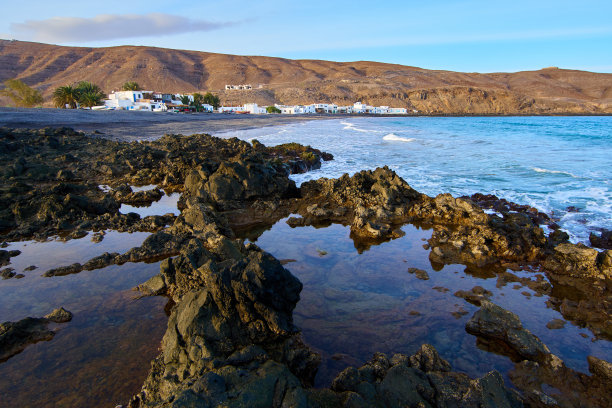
x=111, y=27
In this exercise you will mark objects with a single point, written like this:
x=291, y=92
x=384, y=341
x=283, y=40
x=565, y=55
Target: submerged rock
x=16, y=336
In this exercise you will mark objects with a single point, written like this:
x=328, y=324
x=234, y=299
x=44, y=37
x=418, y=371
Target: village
x=163, y=102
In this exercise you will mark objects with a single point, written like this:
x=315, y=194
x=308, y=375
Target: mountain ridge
x=280, y=80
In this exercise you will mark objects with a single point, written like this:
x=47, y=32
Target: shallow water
x=354, y=304
x=166, y=205
x=102, y=356
x=550, y=163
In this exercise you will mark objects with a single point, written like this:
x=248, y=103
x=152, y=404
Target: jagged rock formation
x=547, y=91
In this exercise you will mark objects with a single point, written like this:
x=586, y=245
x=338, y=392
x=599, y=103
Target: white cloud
x=110, y=27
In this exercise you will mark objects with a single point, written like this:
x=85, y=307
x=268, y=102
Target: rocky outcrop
x=543, y=377
x=295, y=157
x=16, y=336
x=231, y=338
x=371, y=202
x=50, y=178
x=604, y=240
x=497, y=328
x=423, y=379
x=580, y=261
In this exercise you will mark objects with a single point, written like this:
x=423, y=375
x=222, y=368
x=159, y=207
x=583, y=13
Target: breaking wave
x=396, y=138
x=540, y=170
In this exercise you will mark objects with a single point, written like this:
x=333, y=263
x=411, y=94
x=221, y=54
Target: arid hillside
x=278, y=80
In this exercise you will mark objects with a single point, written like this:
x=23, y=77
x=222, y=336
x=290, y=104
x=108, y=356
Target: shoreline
x=130, y=126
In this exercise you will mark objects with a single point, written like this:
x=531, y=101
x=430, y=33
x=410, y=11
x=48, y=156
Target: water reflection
x=103, y=355
x=359, y=300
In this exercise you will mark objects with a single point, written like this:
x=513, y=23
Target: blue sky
x=470, y=36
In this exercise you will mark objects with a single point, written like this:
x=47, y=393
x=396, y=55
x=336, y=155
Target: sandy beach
x=125, y=125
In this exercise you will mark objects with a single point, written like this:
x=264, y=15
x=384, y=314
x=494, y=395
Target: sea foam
x=540, y=170
x=395, y=138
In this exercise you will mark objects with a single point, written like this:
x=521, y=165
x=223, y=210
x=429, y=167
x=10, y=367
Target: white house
x=345, y=109
x=231, y=109
x=326, y=108
x=359, y=107
x=398, y=111
x=134, y=100
x=254, y=109
x=243, y=87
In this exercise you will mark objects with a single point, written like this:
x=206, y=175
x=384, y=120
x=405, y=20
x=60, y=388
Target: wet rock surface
x=231, y=340
x=16, y=336
x=499, y=327
x=543, y=378
x=50, y=178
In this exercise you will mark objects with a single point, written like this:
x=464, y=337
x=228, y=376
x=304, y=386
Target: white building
x=254, y=109
x=381, y=110
x=231, y=109
x=345, y=109
x=398, y=111
x=326, y=108
x=134, y=100
x=359, y=107
x=244, y=87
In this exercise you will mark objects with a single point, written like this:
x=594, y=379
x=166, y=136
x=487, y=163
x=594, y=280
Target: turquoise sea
x=551, y=163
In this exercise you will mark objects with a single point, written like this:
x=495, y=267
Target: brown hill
x=278, y=80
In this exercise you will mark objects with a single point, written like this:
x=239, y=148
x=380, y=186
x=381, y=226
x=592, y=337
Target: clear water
x=358, y=302
x=550, y=163
x=103, y=355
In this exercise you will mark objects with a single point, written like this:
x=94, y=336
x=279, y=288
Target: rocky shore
x=231, y=340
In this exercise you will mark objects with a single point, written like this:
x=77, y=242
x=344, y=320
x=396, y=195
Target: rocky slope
x=278, y=80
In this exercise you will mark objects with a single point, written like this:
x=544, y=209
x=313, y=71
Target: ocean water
x=551, y=163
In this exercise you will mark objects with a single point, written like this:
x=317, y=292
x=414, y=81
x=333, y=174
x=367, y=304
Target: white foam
x=540, y=170
x=351, y=126
x=396, y=138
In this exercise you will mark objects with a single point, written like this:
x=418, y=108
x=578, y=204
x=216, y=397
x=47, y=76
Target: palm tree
x=130, y=86
x=65, y=96
x=90, y=94
x=185, y=100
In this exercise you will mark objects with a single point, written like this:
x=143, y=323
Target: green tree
x=273, y=109
x=90, y=94
x=66, y=95
x=21, y=94
x=212, y=100
x=130, y=86
x=198, y=100
x=185, y=100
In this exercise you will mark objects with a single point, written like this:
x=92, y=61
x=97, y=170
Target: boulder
x=491, y=322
